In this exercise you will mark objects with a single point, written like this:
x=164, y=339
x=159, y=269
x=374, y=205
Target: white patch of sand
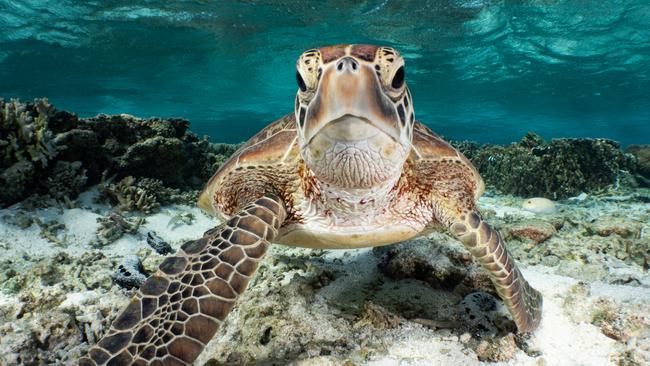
x=81, y=226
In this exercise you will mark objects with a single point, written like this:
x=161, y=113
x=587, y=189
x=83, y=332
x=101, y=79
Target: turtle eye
x=301, y=82
x=398, y=79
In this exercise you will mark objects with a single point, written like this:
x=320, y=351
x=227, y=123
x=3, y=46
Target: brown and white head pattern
x=354, y=114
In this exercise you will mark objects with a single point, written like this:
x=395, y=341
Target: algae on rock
x=42, y=149
x=558, y=169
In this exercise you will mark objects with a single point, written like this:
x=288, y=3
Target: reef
x=69, y=264
x=557, y=169
x=57, y=154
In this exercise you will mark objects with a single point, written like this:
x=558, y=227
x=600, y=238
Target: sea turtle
x=349, y=168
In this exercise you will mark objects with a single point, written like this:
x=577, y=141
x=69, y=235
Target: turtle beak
x=351, y=89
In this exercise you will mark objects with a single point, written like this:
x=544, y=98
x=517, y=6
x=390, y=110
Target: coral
x=127, y=196
x=16, y=181
x=561, y=168
x=60, y=302
x=67, y=180
x=24, y=132
x=378, y=317
x=181, y=218
x=163, y=149
x=143, y=194
x=50, y=231
x=495, y=350
x=113, y=226
x=35, y=138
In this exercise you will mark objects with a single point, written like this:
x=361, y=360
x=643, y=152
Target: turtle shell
x=428, y=145
x=273, y=145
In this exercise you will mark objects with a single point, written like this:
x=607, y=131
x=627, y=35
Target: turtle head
x=354, y=114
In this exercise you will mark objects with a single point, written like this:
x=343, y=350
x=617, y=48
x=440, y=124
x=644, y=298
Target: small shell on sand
x=539, y=205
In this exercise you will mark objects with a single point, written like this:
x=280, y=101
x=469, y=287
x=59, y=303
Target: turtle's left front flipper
x=486, y=245
x=178, y=309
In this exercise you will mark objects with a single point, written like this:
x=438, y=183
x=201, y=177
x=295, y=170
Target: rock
x=534, y=230
x=446, y=267
x=158, y=244
x=130, y=273
x=20, y=219
x=606, y=226
x=497, y=350
x=539, y=205
x=642, y=154
x=558, y=169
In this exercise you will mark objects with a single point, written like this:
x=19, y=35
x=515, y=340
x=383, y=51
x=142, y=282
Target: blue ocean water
x=478, y=69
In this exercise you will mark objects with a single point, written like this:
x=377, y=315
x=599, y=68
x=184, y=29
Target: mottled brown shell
x=273, y=145
x=429, y=146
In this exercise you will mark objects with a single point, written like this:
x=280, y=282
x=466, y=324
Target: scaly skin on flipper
x=523, y=302
x=178, y=309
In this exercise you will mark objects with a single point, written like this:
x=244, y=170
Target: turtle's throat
x=356, y=202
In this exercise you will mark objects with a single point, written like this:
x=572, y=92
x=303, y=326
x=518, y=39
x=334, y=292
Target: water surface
x=478, y=69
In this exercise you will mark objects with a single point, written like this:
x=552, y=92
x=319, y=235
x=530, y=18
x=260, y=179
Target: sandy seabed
x=396, y=305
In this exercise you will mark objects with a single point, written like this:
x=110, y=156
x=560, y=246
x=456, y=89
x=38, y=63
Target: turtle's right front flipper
x=179, y=308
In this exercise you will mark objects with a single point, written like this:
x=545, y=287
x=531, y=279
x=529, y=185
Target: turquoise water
x=478, y=69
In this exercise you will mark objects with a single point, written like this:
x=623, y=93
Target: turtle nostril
x=347, y=64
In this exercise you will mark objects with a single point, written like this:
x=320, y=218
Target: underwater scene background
x=482, y=70
x=115, y=114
